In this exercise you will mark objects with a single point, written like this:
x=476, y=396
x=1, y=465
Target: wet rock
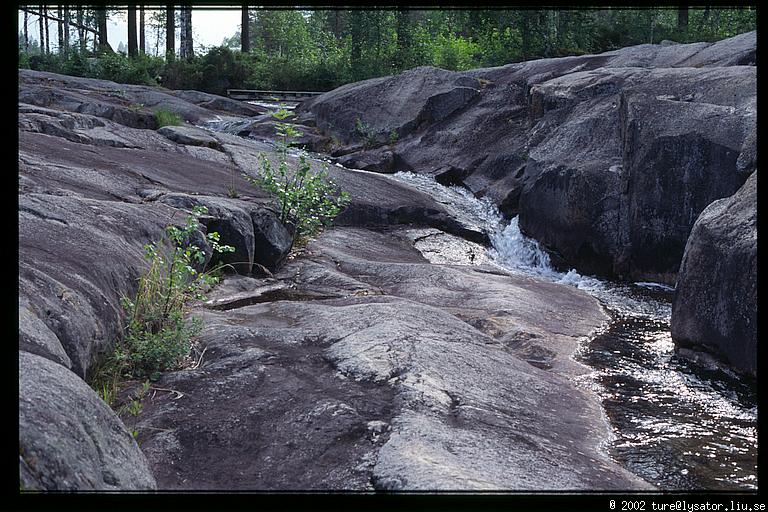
x=715, y=305
x=62, y=449
x=546, y=139
x=219, y=103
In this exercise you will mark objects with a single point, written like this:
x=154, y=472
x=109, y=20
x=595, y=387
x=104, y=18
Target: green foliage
x=320, y=49
x=157, y=335
x=308, y=199
x=455, y=53
x=366, y=133
x=167, y=118
x=121, y=69
x=135, y=407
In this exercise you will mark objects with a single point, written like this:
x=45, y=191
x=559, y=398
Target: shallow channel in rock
x=678, y=423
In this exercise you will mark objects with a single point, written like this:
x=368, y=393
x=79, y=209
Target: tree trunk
x=66, y=29
x=170, y=33
x=563, y=20
x=142, y=35
x=47, y=34
x=245, y=32
x=133, y=47
x=182, y=32
x=26, y=32
x=42, y=31
x=101, y=16
x=338, y=23
x=403, y=38
x=60, y=31
x=525, y=33
x=356, y=34
x=80, y=30
x=682, y=20
x=190, y=49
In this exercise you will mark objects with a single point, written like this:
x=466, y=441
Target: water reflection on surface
x=679, y=425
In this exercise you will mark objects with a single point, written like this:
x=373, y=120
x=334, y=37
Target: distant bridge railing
x=251, y=95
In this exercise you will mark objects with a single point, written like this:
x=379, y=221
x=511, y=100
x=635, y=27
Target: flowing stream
x=679, y=425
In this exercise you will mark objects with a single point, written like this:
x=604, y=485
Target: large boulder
x=426, y=95
x=69, y=439
x=564, y=143
x=715, y=305
x=615, y=188
x=679, y=157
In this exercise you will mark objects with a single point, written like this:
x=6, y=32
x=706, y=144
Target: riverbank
x=443, y=352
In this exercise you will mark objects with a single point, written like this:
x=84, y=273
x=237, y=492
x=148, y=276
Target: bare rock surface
x=715, y=302
x=456, y=365
x=69, y=439
x=600, y=155
x=358, y=365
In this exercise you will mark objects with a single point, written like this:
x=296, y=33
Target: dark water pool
x=679, y=425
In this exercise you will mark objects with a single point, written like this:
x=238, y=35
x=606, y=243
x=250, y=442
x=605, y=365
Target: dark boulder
x=189, y=136
x=715, y=305
x=69, y=439
x=679, y=157
x=272, y=241
x=529, y=132
x=253, y=230
x=380, y=110
x=615, y=185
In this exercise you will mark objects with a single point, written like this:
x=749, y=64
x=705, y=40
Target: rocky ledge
x=353, y=364
x=608, y=160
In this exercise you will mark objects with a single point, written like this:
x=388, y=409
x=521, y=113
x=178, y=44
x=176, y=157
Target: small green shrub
x=366, y=133
x=308, y=199
x=157, y=335
x=166, y=118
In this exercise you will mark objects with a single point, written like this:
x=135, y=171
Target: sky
x=209, y=28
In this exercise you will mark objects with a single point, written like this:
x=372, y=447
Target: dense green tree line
x=319, y=49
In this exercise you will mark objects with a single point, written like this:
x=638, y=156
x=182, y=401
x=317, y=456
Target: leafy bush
x=308, y=199
x=166, y=118
x=157, y=334
x=366, y=133
x=182, y=74
x=455, y=53
x=125, y=70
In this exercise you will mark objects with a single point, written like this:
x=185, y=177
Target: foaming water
x=679, y=425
